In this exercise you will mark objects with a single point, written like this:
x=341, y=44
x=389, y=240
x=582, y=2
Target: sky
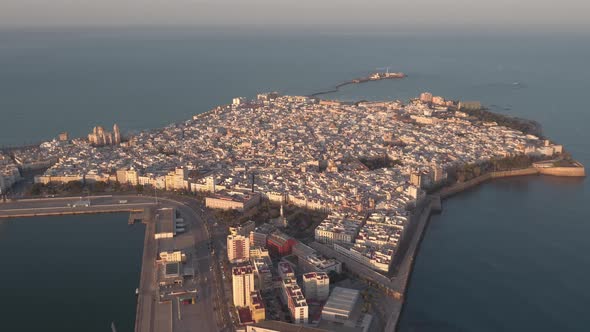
x=24, y=13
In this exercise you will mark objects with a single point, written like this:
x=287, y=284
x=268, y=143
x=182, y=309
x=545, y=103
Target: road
x=209, y=260
x=57, y=206
x=155, y=313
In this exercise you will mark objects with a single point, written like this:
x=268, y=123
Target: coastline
x=396, y=286
x=434, y=205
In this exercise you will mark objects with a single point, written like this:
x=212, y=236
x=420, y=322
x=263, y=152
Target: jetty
x=377, y=76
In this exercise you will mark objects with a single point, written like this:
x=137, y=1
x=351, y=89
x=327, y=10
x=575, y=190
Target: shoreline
x=434, y=206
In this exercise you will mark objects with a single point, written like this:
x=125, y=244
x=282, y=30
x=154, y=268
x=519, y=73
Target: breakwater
x=371, y=78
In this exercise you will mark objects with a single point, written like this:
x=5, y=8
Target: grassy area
x=379, y=162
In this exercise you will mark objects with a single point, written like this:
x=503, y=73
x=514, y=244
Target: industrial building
x=340, y=304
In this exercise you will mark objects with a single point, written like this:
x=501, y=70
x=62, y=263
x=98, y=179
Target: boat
x=137, y=291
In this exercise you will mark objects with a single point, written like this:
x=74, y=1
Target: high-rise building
x=316, y=285
x=243, y=285
x=238, y=248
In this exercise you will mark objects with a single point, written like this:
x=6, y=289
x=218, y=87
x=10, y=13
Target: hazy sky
x=260, y=12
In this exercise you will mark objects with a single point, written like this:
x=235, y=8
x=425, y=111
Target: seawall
x=462, y=186
x=563, y=171
x=552, y=171
x=403, y=278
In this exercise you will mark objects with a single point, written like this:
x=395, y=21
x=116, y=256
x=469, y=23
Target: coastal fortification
x=576, y=171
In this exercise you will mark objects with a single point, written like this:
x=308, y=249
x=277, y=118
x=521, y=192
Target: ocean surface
x=69, y=273
x=510, y=255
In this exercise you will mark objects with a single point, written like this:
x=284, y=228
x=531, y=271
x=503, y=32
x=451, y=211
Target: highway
x=158, y=310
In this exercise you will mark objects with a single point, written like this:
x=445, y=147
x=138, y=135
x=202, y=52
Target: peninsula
x=355, y=183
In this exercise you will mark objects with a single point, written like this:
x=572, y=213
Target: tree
x=36, y=189
x=99, y=187
x=73, y=187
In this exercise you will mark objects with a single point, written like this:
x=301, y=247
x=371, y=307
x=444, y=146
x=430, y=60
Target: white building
x=242, y=285
x=172, y=256
x=316, y=285
x=293, y=297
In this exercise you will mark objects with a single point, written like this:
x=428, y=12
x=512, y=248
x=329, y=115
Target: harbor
x=88, y=264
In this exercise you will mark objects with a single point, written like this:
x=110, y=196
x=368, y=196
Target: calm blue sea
x=510, y=255
x=71, y=273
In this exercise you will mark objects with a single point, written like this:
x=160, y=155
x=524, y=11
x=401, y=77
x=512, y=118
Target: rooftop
x=342, y=300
